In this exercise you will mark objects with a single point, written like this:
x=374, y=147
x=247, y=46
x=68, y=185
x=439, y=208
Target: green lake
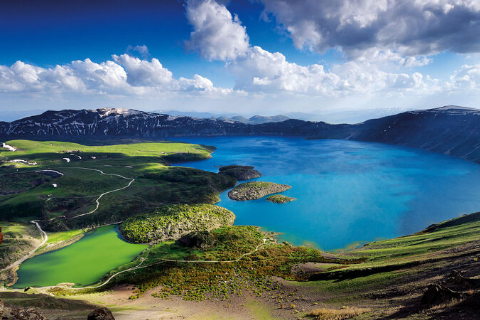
x=82, y=263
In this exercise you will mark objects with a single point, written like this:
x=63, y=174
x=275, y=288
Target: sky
x=247, y=57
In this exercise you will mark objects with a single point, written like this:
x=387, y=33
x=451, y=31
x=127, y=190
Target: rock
x=101, y=314
x=1, y=309
x=464, y=282
x=200, y=240
x=22, y=314
x=240, y=172
x=255, y=190
x=437, y=294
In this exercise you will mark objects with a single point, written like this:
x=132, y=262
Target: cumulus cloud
x=216, y=34
x=410, y=27
x=262, y=71
x=468, y=77
x=144, y=72
x=125, y=75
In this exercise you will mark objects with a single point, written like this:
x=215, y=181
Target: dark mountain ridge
x=450, y=130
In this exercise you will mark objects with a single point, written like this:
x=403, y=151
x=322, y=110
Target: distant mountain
x=451, y=130
x=350, y=116
x=226, y=117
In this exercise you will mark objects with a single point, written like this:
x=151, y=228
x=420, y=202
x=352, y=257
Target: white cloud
x=144, y=72
x=125, y=75
x=410, y=27
x=217, y=35
x=199, y=83
x=261, y=71
x=468, y=77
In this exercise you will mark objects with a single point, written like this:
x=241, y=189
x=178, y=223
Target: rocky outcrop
x=101, y=314
x=438, y=294
x=20, y=314
x=199, y=240
x=174, y=221
x=255, y=190
x=240, y=173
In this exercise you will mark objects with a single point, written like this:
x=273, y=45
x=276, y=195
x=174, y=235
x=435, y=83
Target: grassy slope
x=19, y=239
x=155, y=183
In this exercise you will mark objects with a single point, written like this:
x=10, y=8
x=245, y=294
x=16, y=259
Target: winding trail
x=139, y=266
x=44, y=234
x=103, y=194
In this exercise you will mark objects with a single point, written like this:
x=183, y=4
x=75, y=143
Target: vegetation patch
x=13, y=183
x=255, y=190
x=241, y=258
x=278, y=198
x=174, y=221
x=240, y=172
x=338, y=314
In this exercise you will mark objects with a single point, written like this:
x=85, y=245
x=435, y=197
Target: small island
x=278, y=198
x=240, y=173
x=255, y=190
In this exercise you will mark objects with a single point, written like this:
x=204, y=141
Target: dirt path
x=44, y=234
x=105, y=193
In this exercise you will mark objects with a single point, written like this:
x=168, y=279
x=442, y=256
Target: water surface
x=82, y=263
x=348, y=192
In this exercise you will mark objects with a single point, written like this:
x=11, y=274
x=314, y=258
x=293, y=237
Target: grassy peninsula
x=174, y=221
x=255, y=190
x=59, y=182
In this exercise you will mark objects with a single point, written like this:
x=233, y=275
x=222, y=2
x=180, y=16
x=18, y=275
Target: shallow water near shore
x=82, y=263
x=347, y=192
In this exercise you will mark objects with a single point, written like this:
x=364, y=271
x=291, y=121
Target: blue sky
x=247, y=57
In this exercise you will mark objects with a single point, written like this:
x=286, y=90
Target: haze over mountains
x=451, y=129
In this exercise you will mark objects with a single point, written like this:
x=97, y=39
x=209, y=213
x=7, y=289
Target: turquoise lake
x=348, y=192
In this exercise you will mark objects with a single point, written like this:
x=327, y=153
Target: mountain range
x=450, y=130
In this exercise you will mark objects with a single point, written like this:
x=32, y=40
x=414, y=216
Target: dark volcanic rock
x=437, y=294
x=101, y=314
x=240, y=172
x=200, y=240
x=21, y=314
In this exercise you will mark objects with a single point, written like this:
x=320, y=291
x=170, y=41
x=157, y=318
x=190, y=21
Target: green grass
x=49, y=151
x=55, y=237
x=419, y=246
x=387, y=261
x=259, y=311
